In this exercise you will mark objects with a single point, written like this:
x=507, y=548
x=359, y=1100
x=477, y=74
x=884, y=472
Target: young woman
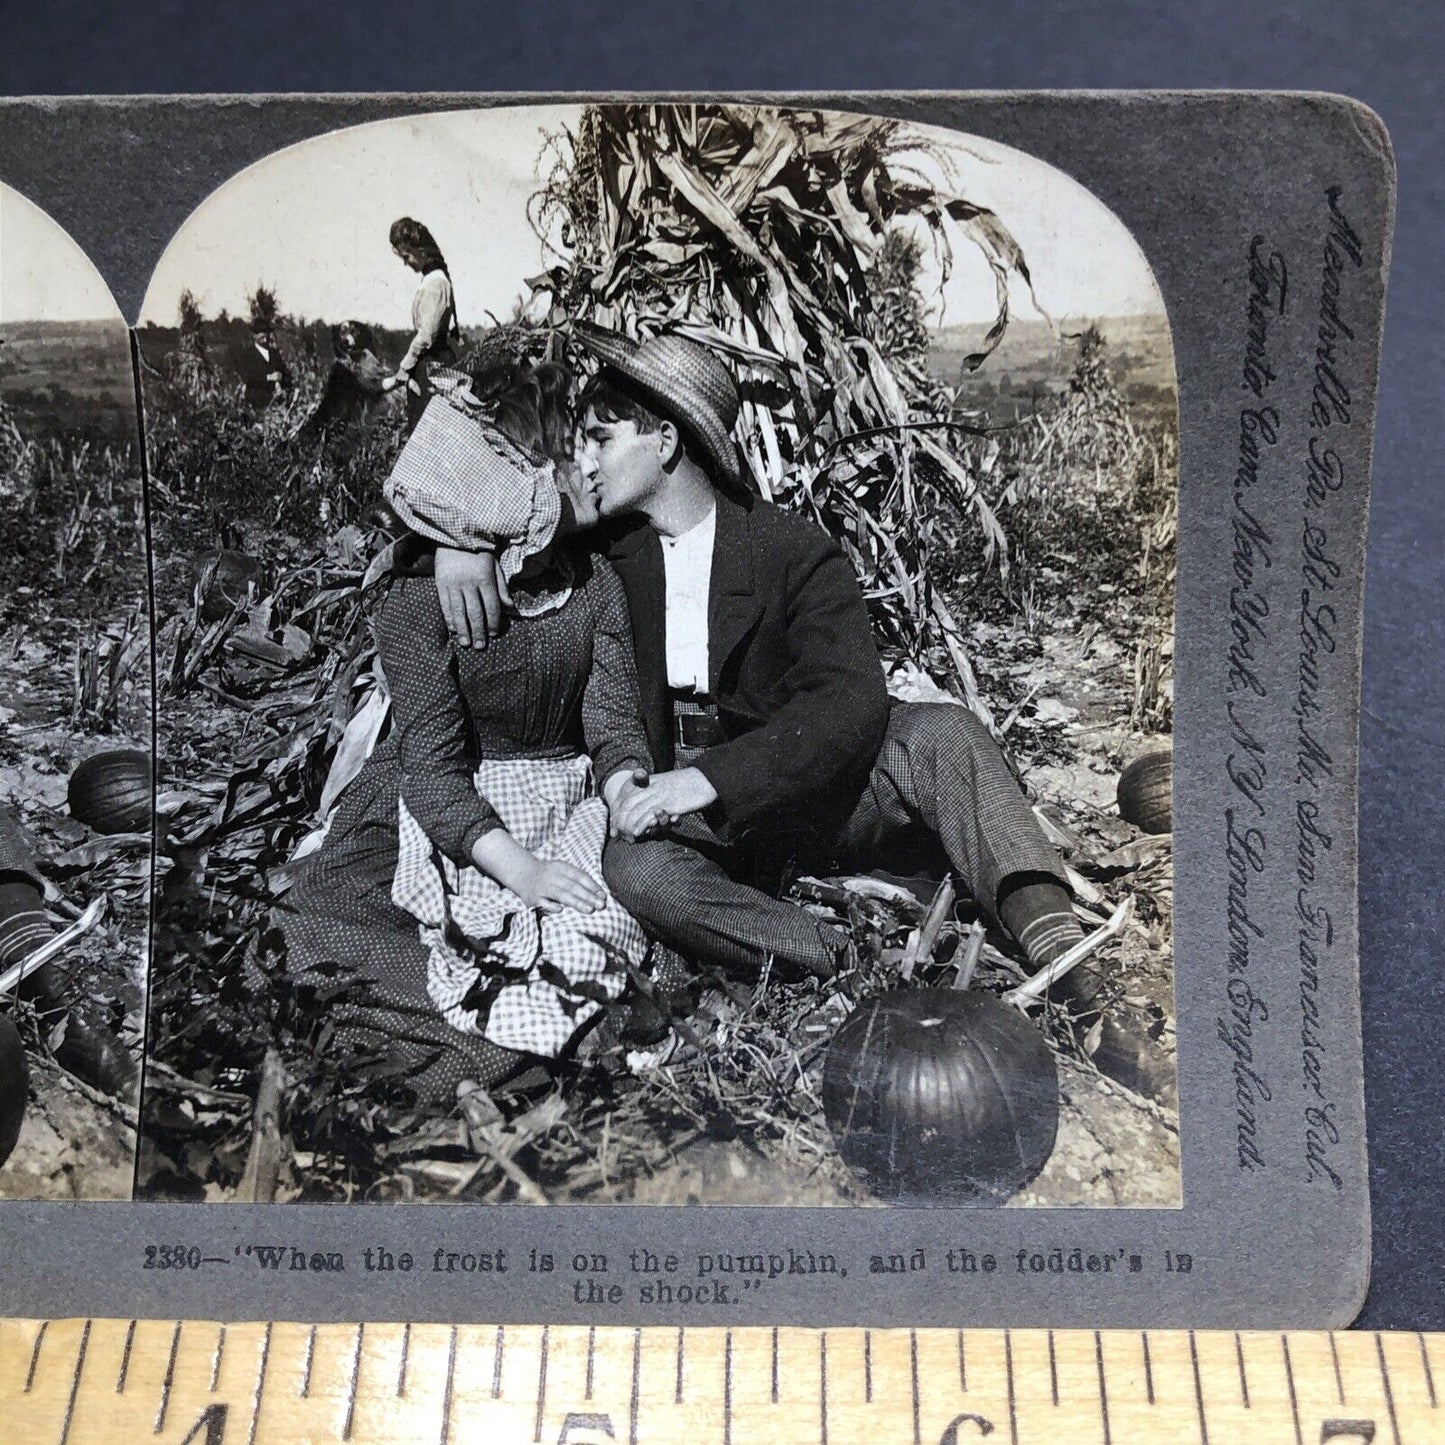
x=433, y=314
x=455, y=909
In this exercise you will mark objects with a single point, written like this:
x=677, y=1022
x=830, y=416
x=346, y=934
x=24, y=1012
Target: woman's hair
x=531, y=403
x=409, y=235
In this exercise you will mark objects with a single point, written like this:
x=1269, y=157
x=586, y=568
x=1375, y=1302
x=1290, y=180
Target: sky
x=44, y=275
x=311, y=222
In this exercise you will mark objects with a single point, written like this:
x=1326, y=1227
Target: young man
x=774, y=740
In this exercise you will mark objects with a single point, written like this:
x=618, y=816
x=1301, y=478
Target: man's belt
x=695, y=724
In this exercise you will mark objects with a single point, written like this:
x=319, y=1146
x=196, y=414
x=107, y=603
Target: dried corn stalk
x=785, y=241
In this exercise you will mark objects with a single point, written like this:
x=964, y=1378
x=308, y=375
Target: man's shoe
x=95, y=1058
x=1126, y=1054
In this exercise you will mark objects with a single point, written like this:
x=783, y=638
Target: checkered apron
x=524, y=979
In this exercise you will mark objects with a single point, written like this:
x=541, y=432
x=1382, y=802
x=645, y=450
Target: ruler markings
x=913, y=1373
x=125, y=1359
x=637, y=1383
x=306, y=1364
x=823, y=1387
x=1103, y=1388
x=1008, y=1361
x=1198, y=1391
x=80, y=1399
x=447, y=1392
x=1299, y=1438
x=1389, y=1392
x=591, y=1355
x=168, y=1381
x=405, y=1356
x=497, y=1362
x=541, y=1387
x=35, y=1354
x=728, y=1383
x=260, y=1384
x=353, y=1380
x=75, y=1382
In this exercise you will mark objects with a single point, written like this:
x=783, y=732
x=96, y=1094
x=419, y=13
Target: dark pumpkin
x=14, y=1087
x=941, y=1097
x=1146, y=791
x=111, y=791
x=224, y=580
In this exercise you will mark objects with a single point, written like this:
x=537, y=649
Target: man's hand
x=470, y=598
x=621, y=783
x=643, y=810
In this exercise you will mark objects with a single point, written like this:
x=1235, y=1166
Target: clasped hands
x=640, y=806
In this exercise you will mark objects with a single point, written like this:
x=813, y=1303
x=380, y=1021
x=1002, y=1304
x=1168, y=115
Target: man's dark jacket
x=791, y=665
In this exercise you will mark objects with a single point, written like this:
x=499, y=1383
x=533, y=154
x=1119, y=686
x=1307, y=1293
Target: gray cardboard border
x=1195, y=177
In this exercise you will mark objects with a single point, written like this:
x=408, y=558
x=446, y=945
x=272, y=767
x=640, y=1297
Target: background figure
x=433, y=314
x=353, y=388
x=263, y=370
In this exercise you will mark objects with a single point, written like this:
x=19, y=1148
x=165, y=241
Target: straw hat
x=687, y=381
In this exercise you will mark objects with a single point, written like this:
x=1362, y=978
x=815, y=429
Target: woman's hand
x=470, y=598
x=550, y=886
x=547, y=885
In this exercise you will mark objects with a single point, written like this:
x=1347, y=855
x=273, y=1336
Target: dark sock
x=24, y=924
x=1037, y=911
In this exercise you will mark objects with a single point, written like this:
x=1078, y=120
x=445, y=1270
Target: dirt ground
x=1069, y=680
x=75, y=1143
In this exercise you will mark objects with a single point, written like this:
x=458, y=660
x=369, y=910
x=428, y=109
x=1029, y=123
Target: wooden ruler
x=190, y=1382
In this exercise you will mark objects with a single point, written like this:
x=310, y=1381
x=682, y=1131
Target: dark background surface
x=1389, y=56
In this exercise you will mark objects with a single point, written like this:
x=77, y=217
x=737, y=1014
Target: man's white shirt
x=687, y=563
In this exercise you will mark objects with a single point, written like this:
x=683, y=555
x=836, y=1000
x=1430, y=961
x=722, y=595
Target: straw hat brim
x=623, y=355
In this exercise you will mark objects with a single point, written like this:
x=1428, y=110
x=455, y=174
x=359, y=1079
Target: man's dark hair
x=613, y=398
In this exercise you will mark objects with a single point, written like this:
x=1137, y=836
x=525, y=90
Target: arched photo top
x=44, y=275
x=914, y=406
x=311, y=223
x=75, y=721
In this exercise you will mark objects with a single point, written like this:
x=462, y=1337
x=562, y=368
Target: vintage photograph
x=664, y=624
x=75, y=723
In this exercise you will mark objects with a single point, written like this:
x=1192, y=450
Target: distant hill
x=1034, y=360
x=68, y=378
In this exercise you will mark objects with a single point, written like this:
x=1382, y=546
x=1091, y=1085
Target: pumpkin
x=111, y=791
x=14, y=1087
x=1146, y=791
x=941, y=1097
x=223, y=581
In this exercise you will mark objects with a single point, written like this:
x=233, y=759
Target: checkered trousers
x=523, y=979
